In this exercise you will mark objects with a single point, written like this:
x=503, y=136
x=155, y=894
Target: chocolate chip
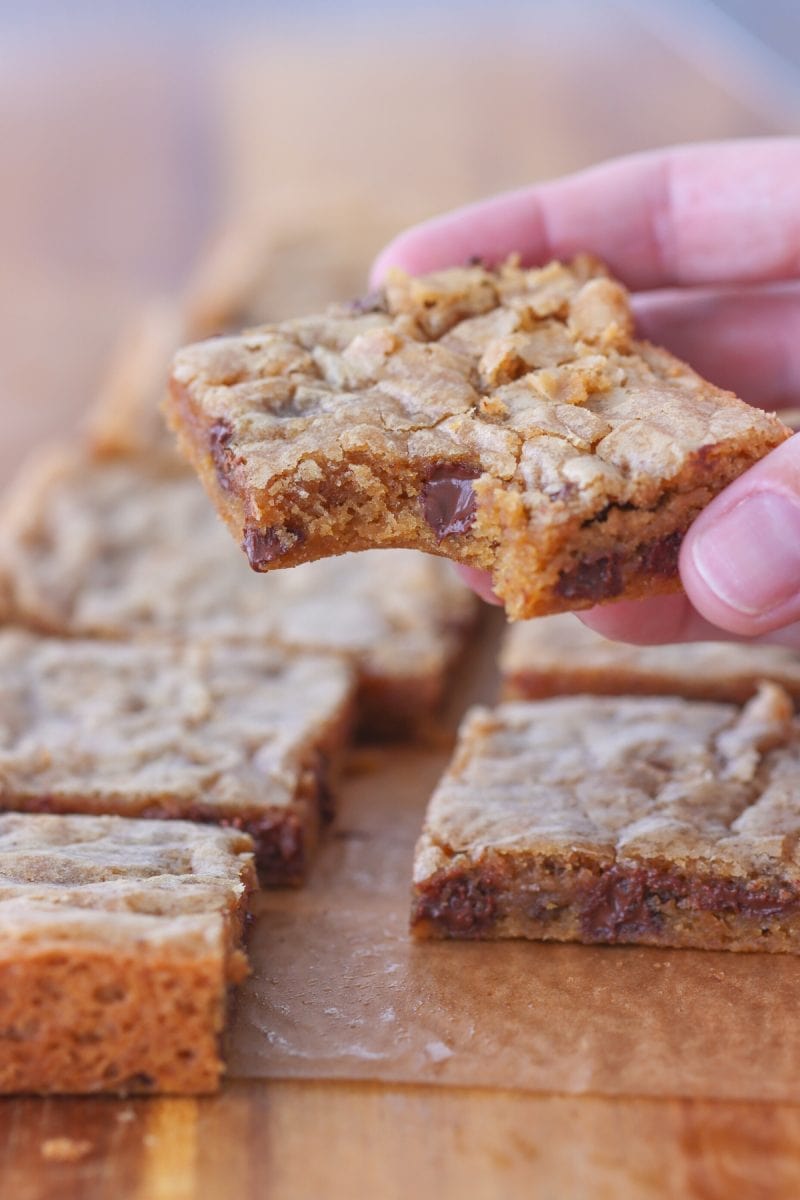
x=617, y=907
x=279, y=845
x=661, y=557
x=219, y=435
x=626, y=902
x=462, y=905
x=592, y=579
x=448, y=500
x=264, y=546
x=140, y=1082
x=723, y=895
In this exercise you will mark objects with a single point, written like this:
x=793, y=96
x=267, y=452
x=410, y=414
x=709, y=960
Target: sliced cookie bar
x=119, y=941
x=109, y=550
x=240, y=735
x=661, y=821
x=506, y=419
x=558, y=655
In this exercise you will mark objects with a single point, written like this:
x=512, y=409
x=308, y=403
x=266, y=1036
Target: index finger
x=723, y=212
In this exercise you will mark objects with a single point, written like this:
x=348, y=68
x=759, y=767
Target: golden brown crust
x=506, y=419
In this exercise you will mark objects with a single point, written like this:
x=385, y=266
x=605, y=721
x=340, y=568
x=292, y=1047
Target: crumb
x=65, y=1149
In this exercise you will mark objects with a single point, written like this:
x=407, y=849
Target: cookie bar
x=242, y=735
x=107, y=550
x=658, y=821
x=553, y=656
x=119, y=941
x=506, y=419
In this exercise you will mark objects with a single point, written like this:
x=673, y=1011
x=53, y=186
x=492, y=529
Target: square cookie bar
x=243, y=736
x=506, y=419
x=661, y=821
x=109, y=550
x=555, y=656
x=119, y=941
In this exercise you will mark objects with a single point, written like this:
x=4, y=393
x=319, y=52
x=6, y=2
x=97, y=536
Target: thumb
x=740, y=561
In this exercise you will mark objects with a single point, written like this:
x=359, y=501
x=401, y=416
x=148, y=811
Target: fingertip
x=740, y=560
x=489, y=230
x=429, y=246
x=653, y=621
x=480, y=582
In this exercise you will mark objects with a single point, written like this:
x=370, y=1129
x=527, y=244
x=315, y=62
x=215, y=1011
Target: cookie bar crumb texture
x=507, y=419
x=119, y=942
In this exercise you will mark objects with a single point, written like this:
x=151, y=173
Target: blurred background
x=149, y=149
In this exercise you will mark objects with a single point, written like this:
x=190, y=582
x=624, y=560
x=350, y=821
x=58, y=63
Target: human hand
x=707, y=237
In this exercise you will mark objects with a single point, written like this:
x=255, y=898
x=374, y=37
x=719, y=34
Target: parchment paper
x=339, y=990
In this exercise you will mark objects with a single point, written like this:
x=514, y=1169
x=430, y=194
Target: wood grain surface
x=118, y=174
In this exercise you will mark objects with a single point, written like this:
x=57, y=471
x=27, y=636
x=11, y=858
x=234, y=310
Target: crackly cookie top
x=529, y=375
x=105, y=877
x=115, y=550
x=219, y=726
x=623, y=779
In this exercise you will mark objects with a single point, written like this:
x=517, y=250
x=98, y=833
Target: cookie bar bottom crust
x=78, y=1020
x=581, y=900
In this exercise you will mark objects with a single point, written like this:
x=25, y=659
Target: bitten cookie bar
x=506, y=419
x=239, y=735
x=108, y=550
x=119, y=941
x=660, y=821
x=553, y=656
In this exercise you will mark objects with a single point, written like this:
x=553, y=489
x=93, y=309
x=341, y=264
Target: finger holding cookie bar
x=507, y=419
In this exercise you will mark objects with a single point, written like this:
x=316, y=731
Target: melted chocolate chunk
x=219, y=436
x=448, y=500
x=140, y=1082
x=626, y=902
x=727, y=895
x=264, y=546
x=462, y=905
x=279, y=846
x=619, y=907
x=592, y=579
x=661, y=557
